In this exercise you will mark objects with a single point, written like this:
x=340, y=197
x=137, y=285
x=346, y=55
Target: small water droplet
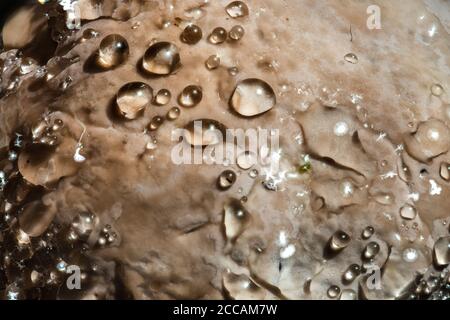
x=368, y=232
x=351, y=273
x=408, y=212
x=55, y=66
x=27, y=65
x=213, y=62
x=339, y=241
x=348, y=294
x=384, y=198
x=233, y=71
x=89, y=33
x=253, y=173
x=191, y=96
x=237, y=9
x=113, y=51
x=226, y=179
x=236, y=32
x=246, y=160
x=173, y=113
x=191, y=34
x=132, y=98
x=84, y=224
x=161, y=58
x=341, y=128
x=155, y=123
x=235, y=219
x=333, y=292
x=163, y=97
x=444, y=171
x=351, y=58
x=371, y=250
x=410, y=255
x=346, y=188
x=441, y=251
x=437, y=90
x=252, y=97
x=218, y=35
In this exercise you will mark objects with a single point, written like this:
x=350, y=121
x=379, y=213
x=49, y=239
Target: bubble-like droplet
x=437, y=90
x=236, y=32
x=351, y=58
x=252, y=97
x=346, y=188
x=218, y=35
x=233, y=71
x=204, y=132
x=113, y=51
x=340, y=128
x=351, y=273
x=88, y=34
x=441, y=251
x=237, y=9
x=55, y=66
x=226, y=179
x=348, y=294
x=132, y=98
x=173, y=113
x=444, y=171
x=161, y=58
x=246, y=160
x=333, y=292
x=163, y=97
x=371, y=250
x=84, y=224
x=191, y=34
x=408, y=212
x=368, y=232
x=253, y=173
x=236, y=217
x=384, y=198
x=410, y=255
x=339, y=241
x=27, y=65
x=191, y=96
x=213, y=62
x=155, y=123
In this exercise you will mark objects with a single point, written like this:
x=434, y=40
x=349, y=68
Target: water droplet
x=233, y=71
x=333, y=292
x=287, y=251
x=173, y=113
x=236, y=218
x=89, y=33
x=348, y=294
x=132, y=98
x=442, y=251
x=236, y=32
x=218, y=35
x=339, y=241
x=113, y=51
x=237, y=9
x=371, y=250
x=410, y=255
x=341, y=128
x=437, y=90
x=155, y=123
x=226, y=179
x=161, y=58
x=191, y=96
x=35, y=218
x=246, y=160
x=66, y=83
x=351, y=58
x=253, y=97
x=163, y=97
x=27, y=65
x=213, y=62
x=253, y=173
x=55, y=66
x=204, y=132
x=346, y=188
x=191, y=34
x=408, y=212
x=351, y=273
x=368, y=232
x=444, y=171
x=384, y=198
x=83, y=224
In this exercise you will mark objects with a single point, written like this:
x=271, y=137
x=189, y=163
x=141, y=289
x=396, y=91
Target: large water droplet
x=339, y=241
x=218, y=35
x=163, y=97
x=213, y=62
x=55, y=66
x=191, y=34
x=173, y=113
x=236, y=217
x=113, y=51
x=226, y=179
x=132, y=98
x=191, y=96
x=162, y=58
x=442, y=251
x=237, y=9
x=371, y=250
x=253, y=97
x=408, y=212
x=333, y=292
x=236, y=32
x=204, y=132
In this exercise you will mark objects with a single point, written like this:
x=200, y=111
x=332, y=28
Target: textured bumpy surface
x=363, y=182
